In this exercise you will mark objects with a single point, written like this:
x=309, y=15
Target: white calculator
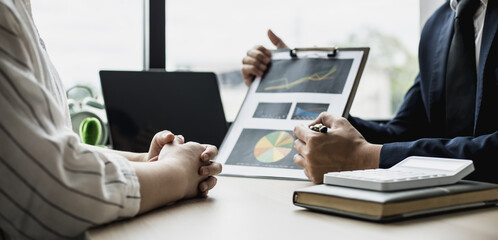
x=413, y=172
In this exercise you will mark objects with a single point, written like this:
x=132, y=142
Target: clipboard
x=299, y=84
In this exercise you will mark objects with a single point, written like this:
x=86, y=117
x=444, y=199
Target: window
x=215, y=35
x=85, y=36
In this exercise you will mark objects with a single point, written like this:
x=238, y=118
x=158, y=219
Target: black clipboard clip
x=331, y=51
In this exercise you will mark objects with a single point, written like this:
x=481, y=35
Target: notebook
x=141, y=103
x=389, y=206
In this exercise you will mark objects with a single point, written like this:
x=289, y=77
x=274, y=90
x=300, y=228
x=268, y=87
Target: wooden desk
x=247, y=208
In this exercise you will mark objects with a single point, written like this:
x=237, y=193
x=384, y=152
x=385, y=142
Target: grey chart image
x=272, y=110
x=264, y=148
x=309, y=111
x=306, y=75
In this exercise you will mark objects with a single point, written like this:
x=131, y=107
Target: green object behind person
x=90, y=131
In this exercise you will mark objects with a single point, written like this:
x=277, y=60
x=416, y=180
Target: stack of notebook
x=388, y=206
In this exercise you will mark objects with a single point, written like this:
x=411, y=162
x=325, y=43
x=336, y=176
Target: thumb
x=165, y=138
x=154, y=159
x=324, y=118
x=276, y=40
x=159, y=140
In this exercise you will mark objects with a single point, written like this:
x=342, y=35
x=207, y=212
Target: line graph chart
x=306, y=75
x=319, y=76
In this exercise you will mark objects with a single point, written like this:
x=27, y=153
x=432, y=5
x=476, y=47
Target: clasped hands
x=191, y=159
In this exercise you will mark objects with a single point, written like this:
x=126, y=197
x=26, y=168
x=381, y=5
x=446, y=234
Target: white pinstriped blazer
x=51, y=185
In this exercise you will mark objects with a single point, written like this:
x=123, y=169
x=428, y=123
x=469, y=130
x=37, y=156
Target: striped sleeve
x=51, y=185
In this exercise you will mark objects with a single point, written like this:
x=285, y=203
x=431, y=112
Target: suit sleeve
x=483, y=150
x=408, y=134
x=410, y=122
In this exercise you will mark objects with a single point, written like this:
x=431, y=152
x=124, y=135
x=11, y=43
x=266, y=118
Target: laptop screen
x=140, y=104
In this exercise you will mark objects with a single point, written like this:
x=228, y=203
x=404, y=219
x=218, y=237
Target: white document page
x=294, y=91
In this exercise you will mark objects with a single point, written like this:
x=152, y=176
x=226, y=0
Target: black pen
x=319, y=128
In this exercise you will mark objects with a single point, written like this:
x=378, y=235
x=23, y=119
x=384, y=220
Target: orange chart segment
x=273, y=147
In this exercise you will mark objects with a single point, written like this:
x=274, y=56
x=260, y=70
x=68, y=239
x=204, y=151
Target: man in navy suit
x=424, y=125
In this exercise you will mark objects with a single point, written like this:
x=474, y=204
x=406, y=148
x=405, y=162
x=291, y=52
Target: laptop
x=141, y=103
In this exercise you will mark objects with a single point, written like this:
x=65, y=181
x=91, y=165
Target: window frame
x=155, y=34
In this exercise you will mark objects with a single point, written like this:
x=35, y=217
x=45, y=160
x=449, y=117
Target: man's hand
x=342, y=148
x=255, y=63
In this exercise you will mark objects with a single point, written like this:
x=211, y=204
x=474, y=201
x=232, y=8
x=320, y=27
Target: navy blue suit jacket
x=418, y=127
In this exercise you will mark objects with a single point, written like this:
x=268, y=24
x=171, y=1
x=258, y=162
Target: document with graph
x=298, y=86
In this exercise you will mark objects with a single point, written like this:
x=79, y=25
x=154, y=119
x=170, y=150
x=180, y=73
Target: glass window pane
x=215, y=35
x=85, y=36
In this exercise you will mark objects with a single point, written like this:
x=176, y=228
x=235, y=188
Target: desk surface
x=247, y=208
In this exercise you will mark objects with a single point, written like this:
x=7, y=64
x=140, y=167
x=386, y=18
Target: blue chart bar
x=309, y=111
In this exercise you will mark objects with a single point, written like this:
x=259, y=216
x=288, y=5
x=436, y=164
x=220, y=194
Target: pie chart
x=273, y=147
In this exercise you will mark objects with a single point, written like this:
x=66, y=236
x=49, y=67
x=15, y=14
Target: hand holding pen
x=319, y=128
